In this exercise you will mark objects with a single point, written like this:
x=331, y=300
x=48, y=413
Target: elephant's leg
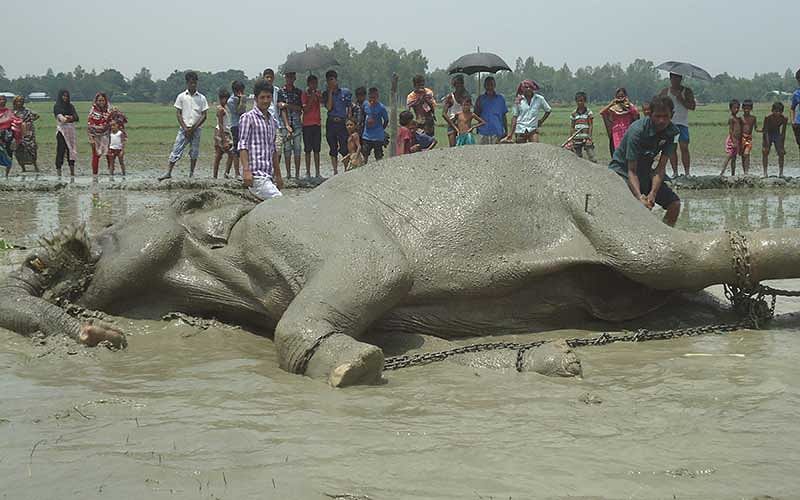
x=339, y=302
x=653, y=254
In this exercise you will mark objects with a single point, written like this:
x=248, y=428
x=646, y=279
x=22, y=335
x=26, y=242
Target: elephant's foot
x=344, y=361
x=554, y=359
x=92, y=334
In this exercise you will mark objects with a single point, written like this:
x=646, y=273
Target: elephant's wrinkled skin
x=468, y=241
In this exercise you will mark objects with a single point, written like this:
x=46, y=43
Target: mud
x=194, y=412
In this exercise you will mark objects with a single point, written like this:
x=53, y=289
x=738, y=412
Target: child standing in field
x=774, y=131
x=734, y=140
x=464, y=127
x=354, y=158
x=749, y=124
x=312, y=124
x=116, y=148
x=582, y=121
x=406, y=134
x=223, y=138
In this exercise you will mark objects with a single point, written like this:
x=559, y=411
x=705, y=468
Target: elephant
x=460, y=242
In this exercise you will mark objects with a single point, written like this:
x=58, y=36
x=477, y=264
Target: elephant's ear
x=209, y=216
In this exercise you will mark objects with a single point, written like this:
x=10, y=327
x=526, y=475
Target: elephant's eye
x=36, y=264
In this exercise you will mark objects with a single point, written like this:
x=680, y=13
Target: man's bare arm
x=633, y=181
x=658, y=178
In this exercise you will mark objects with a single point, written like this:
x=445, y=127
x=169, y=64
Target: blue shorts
x=683, y=136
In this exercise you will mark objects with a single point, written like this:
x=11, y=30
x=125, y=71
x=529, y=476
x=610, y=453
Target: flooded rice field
x=192, y=413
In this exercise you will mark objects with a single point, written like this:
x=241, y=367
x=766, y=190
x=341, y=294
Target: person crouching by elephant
x=633, y=159
x=99, y=129
x=257, y=129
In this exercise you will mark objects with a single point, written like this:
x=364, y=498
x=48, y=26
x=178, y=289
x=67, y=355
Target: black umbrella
x=308, y=60
x=685, y=69
x=479, y=62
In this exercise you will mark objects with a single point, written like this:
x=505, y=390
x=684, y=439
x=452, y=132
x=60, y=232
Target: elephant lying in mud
x=458, y=242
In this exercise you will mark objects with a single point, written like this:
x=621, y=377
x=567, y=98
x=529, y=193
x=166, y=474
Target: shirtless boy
x=774, y=131
x=749, y=125
x=463, y=124
x=734, y=141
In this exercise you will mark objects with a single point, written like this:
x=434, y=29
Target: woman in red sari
x=99, y=127
x=10, y=134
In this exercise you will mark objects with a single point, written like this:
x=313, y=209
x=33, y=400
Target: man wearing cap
x=683, y=100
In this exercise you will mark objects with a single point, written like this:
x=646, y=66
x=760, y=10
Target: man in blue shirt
x=633, y=159
x=376, y=119
x=492, y=107
x=339, y=103
x=795, y=111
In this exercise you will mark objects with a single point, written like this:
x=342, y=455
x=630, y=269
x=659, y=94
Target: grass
x=152, y=129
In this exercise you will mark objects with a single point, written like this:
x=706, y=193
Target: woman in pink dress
x=618, y=116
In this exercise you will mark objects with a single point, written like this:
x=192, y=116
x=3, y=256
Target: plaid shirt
x=257, y=136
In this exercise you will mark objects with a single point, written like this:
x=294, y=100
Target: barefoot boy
x=354, y=158
x=749, y=124
x=223, y=138
x=582, y=122
x=463, y=124
x=734, y=140
x=774, y=131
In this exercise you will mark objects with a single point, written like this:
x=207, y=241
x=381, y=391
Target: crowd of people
x=288, y=122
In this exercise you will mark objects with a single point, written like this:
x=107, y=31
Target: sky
x=734, y=36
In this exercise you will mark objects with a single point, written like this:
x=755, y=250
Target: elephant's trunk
x=23, y=310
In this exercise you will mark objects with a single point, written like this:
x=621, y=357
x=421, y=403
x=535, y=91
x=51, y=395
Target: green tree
x=142, y=88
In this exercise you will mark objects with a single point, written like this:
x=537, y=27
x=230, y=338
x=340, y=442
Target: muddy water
x=185, y=413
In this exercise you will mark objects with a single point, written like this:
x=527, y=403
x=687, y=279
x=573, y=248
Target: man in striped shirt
x=257, y=130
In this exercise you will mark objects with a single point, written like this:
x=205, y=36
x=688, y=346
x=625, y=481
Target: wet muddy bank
x=32, y=183
x=55, y=184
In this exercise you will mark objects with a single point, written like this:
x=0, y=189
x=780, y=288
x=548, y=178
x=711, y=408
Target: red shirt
x=405, y=139
x=311, y=114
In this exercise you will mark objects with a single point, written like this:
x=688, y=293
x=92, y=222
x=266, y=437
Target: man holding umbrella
x=683, y=99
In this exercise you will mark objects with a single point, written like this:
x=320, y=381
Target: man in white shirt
x=191, y=109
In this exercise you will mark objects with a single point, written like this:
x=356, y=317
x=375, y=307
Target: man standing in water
x=257, y=131
x=633, y=159
x=682, y=101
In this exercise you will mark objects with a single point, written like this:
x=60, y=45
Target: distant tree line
x=374, y=65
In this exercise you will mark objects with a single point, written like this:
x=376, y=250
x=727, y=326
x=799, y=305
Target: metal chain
x=302, y=363
x=641, y=335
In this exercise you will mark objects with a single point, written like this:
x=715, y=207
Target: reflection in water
x=713, y=210
x=25, y=216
